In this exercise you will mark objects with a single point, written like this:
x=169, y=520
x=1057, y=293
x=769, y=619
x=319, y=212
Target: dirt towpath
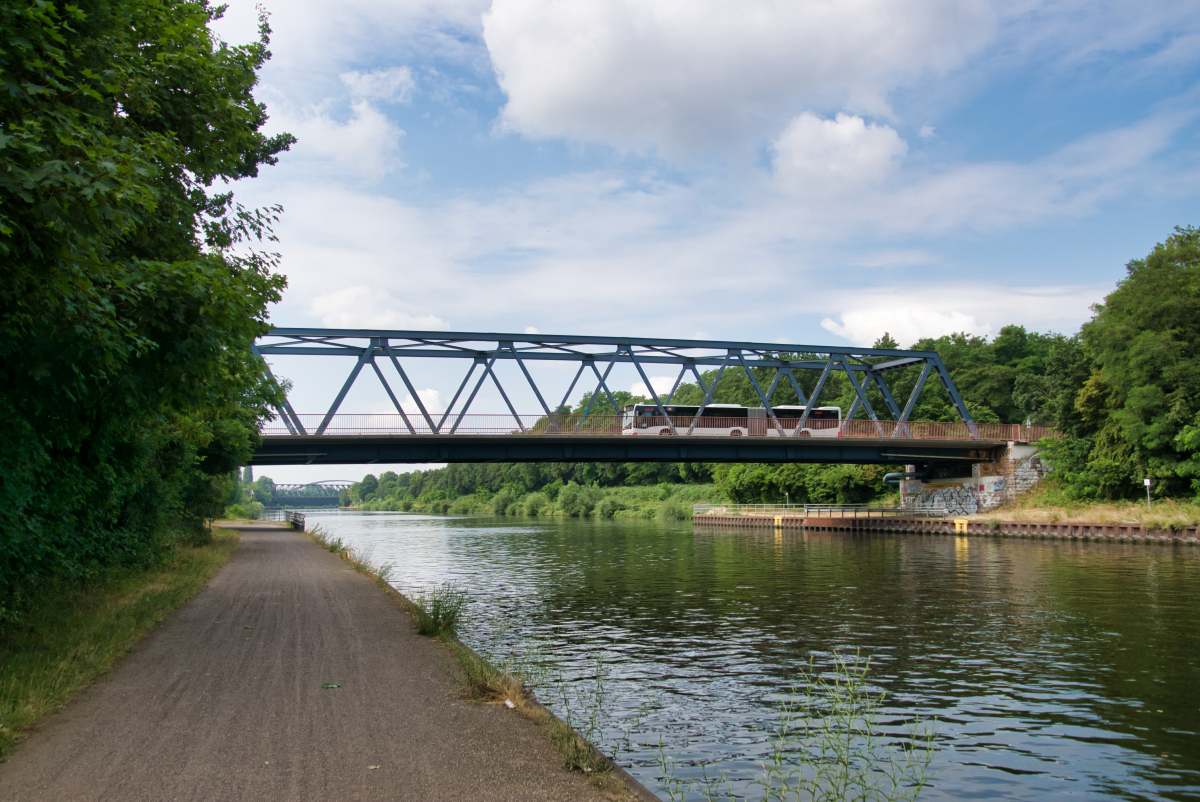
x=224, y=701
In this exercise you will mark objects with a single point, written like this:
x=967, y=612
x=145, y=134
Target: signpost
x=1147, y=481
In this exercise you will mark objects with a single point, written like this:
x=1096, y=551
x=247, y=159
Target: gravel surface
x=224, y=701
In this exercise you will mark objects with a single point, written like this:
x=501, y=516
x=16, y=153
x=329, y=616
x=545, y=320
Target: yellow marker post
x=778, y=520
x=960, y=524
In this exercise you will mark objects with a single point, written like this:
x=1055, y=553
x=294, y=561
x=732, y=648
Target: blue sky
x=777, y=171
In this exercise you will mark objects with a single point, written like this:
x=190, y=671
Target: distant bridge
x=418, y=435
x=311, y=494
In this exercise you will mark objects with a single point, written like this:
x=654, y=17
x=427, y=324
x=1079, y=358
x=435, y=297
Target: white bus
x=731, y=420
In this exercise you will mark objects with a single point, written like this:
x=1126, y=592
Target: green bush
x=578, y=501
x=501, y=502
x=462, y=506
x=608, y=507
x=249, y=511
x=674, y=510
x=536, y=504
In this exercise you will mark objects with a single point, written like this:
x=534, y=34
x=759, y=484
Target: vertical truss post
x=363, y=358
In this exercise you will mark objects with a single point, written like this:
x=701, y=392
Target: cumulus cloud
x=362, y=307
x=683, y=75
x=841, y=155
x=394, y=85
x=432, y=399
x=910, y=313
x=365, y=146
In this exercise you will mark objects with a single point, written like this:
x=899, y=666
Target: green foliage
x=536, y=503
x=578, y=501
x=801, y=484
x=129, y=297
x=501, y=502
x=1126, y=392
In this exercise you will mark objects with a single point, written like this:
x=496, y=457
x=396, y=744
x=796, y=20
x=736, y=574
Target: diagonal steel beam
x=678, y=379
x=888, y=399
x=763, y=398
x=916, y=392
x=496, y=380
x=462, y=385
x=708, y=392
x=601, y=385
x=387, y=387
x=467, y=404
x=549, y=416
x=812, y=401
x=860, y=393
x=290, y=419
x=412, y=391
x=363, y=358
x=653, y=394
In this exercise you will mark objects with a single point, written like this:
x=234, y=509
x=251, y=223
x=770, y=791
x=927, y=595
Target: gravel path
x=224, y=701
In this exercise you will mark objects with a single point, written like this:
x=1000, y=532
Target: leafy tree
x=1142, y=398
x=128, y=299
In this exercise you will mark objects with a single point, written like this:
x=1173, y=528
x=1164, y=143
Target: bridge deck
x=332, y=449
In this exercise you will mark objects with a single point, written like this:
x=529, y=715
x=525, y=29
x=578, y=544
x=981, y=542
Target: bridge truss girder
x=601, y=355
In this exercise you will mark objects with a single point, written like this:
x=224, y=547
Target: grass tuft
x=439, y=612
x=78, y=635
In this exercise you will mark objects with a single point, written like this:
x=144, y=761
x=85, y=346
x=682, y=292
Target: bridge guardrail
x=612, y=425
x=818, y=510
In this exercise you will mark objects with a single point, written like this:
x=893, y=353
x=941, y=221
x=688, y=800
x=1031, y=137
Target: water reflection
x=1053, y=667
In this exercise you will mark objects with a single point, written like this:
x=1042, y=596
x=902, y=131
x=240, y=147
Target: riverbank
x=76, y=637
x=290, y=676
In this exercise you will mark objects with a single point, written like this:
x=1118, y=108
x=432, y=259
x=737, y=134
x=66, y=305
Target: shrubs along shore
x=671, y=502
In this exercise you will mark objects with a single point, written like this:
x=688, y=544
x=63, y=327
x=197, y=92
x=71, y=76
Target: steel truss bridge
x=313, y=493
x=419, y=435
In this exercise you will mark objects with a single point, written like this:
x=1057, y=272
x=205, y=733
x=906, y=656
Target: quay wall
x=948, y=526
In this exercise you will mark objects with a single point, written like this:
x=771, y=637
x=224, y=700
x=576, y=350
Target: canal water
x=1049, y=667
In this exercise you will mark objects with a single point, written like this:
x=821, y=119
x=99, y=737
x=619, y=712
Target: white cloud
x=909, y=313
x=841, y=155
x=362, y=307
x=682, y=75
x=661, y=384
x=432, y=399
x=926, y=132
x=531, y=330
x=394, y=85
x=365, y=146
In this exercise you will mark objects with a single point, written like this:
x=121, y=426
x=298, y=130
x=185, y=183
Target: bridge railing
x=290, y=517
x=613, y=425
x=818, y=510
